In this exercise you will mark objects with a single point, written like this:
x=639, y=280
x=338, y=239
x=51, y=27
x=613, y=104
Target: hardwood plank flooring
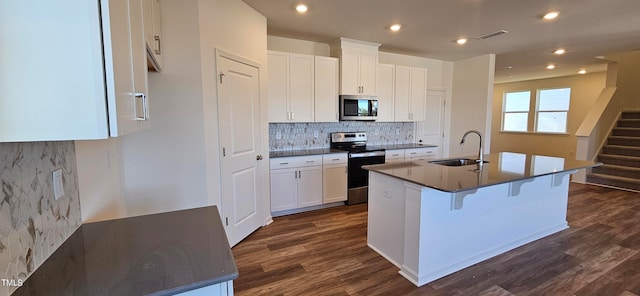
x=325, y=252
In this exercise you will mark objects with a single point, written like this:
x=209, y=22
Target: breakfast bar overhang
x=432, y=220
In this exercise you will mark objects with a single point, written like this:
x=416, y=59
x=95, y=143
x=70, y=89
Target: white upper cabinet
x=326, y=89
x=87, y=83
x=358, y=66
x=291, y=87
x=410, y=93
x=153, y=34
x=385, y=85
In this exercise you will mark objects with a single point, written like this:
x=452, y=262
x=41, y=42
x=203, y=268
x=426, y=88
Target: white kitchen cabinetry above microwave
x=153, y=34
x=291, y=87
x=71, y=72
x=296, y=182
x=358, y=66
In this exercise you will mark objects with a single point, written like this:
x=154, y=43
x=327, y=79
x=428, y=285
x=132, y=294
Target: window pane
x=516, y=122
x=517, y=101
x=554, y=122
x=554, y=99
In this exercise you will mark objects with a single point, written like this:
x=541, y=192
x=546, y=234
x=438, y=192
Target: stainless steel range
x=359, y=154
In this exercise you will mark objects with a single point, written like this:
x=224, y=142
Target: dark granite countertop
x=159, y=254
x=304, y=152
x=503, y=167
x=405, y=146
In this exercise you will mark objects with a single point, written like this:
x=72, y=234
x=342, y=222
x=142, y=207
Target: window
x=515, y=114
x=550, y=116
x=553, y=107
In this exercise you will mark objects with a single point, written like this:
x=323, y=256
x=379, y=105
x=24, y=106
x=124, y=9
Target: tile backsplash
x=315, y=135
x=32, y=223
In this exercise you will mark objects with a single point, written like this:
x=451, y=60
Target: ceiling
x=587, y=29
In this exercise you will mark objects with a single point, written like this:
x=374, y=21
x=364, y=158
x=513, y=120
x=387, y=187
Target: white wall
x=471, y=102
x=584, y=92
x=627, y=78
x=100, y=179
x=174, y=165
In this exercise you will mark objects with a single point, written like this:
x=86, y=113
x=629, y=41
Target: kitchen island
x=175, y=253
x=431, y=220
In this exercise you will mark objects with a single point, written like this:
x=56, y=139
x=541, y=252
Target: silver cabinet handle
x=140, y=107
x=157, y=39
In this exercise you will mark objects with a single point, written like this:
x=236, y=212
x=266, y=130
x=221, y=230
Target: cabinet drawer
x=295, y=161
x=394, y=154
x=337, y=158
x=421, y=152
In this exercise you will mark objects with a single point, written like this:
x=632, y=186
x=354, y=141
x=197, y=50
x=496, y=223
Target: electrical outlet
x=316, y=134
x=278, y=135
x=58, y=184
x=397, y=131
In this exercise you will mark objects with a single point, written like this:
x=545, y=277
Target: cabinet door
x=326, y=89
x=402, y=93
x=368, y=69
x=349, y=71
x=278, y=71
x=301, y=87
x=283, y=189
x=157, y=33
x=385, y=92
x=334, y=183
x=51, y=71
x=418, y=95
x=309, y=186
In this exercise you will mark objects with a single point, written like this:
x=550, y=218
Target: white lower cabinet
x=334, y=178
x=296, y=182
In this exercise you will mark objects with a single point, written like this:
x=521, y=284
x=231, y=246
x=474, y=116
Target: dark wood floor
x=325, y=253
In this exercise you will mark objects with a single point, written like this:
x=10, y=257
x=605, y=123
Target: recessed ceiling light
x=583, y=71
x=559, y=51
x=461, y=41
x=301, y=8
x=395, y=27
x=551, y=15
x=551, y=66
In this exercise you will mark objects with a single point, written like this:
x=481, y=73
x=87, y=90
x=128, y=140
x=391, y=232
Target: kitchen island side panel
x=445, y=232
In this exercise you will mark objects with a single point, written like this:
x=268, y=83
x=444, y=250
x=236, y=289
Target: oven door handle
x=367, y=154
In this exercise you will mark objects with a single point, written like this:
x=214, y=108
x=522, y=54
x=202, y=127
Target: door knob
x=259, y=157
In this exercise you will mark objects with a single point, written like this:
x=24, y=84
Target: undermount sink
x=456, y=162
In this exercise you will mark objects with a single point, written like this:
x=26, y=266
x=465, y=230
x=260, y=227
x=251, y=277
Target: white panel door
x=430, y=131
x=240, y=134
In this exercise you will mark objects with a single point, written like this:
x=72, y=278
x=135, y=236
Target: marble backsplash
x=315, y=135
x=32, y=223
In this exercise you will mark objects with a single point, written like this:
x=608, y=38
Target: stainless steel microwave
x=358, y=107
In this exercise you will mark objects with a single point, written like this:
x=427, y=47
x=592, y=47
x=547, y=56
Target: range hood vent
x=492, y=34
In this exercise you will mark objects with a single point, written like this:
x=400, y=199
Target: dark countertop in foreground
x=503, y=167
x=159, y=254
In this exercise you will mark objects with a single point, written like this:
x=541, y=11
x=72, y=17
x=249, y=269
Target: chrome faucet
x=480, y=159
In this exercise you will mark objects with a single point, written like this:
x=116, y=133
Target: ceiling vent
x=492, y=34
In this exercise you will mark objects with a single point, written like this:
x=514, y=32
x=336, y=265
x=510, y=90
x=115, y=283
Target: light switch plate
x=58, y=184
